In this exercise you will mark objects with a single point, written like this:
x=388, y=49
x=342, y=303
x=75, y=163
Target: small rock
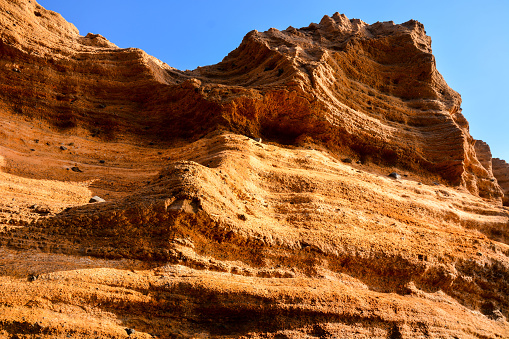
x=347, y=160
x=395, y=175
x=95, y=199
x=258, y=139
x=130, y=331
x=32, y=277
x=102, y=106
x=76, y=169
x=102, y=161
x=63, y=148
x=16, y=69
x=32, y=149
x=359, y=162
x=436, y=183
x=40, y=209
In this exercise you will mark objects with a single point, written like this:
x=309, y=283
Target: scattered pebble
x=76, y=169
x=96, y=199
x=130, y=331
x=395, y=175
x=102, y=161
x=258, y=139
x=347, y=160
x=63, y=148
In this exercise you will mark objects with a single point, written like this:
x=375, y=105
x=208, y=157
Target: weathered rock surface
x=205, y=231
x=501, y=172
x=483, y=152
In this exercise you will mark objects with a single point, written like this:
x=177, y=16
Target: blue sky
x=470, y=38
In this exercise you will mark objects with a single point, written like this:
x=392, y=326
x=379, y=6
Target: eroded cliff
x=208, y=232
x=501, y=172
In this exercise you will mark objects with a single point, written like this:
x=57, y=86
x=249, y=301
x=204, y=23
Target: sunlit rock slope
x=245, y=199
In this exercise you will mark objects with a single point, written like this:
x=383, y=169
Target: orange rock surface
x=208, y=231
x=501, y=172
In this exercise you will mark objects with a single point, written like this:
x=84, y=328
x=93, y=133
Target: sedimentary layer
x=369, y=90
x=501, y=172
x=245, y=199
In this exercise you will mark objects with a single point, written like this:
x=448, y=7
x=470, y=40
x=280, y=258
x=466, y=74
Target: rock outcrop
x=501, y=172
x=483, y=152
x=205, y=230
x=369, y=90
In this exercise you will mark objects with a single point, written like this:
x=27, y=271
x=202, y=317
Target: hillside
x=251, y=198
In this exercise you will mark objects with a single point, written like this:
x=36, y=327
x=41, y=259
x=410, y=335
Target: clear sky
x=470, y=38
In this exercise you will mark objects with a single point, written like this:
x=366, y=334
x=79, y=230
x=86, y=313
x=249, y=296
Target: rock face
x=501, y=172
x=204, y=230
x=483, y=153
x=369, y=90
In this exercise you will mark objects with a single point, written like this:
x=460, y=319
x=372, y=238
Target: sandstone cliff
x=208, y=232
x=501, y=172
x=370, y=90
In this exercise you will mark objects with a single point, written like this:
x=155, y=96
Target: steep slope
x=501, y=172
x=370, y=90
x=206, y=232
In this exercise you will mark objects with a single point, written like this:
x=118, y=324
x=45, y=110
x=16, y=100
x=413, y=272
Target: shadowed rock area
x=251, y=198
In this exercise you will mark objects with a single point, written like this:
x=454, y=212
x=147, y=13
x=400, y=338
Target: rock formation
x=205, y=230
x=501, y=172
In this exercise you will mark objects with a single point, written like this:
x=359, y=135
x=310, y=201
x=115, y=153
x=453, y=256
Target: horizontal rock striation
x=251, y=198
x=501, y=172
x=372, y=90
x=233, y=228
x=369, y=90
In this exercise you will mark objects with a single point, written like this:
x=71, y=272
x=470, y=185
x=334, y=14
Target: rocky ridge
x=206, y=231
